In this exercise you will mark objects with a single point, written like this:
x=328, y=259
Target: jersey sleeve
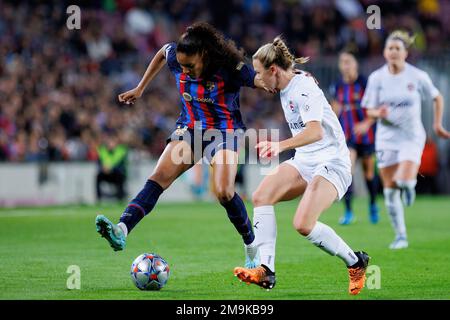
x=245, y=75
x=370, y=99
x=171, y=56
x=311, y=109
x=428, y=86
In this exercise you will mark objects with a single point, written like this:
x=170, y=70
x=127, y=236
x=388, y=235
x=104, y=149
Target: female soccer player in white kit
x=393, y=96
x=320, y=170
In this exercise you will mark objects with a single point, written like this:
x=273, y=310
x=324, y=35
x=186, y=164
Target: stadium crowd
x=58, y=87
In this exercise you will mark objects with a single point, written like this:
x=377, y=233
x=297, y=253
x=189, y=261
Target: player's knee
x=302, y=227
x=260, y=199
x=224, y=193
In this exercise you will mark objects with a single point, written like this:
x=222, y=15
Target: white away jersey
x=402, y=93
x=303, y=101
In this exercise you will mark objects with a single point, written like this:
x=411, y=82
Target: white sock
x=325, y=238
x=251, y=249
x=265, y=228
x=406, y=184
x=124, y=228
x=394, y=207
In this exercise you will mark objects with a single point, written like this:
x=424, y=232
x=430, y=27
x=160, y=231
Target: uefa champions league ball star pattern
x=149, y=272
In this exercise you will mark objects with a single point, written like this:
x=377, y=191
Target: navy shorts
x=362, y=150
x=205, y=143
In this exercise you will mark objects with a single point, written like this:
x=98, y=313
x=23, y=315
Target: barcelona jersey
x=214, y=101
x=349, y=97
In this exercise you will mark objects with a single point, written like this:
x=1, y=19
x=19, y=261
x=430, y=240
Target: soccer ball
x=149, y=272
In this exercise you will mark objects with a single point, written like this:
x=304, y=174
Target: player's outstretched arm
x=379, y=112
x=153, y=68
x=438, y=103
x=363, y=127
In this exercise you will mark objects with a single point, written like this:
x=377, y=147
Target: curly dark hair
x=202, y=38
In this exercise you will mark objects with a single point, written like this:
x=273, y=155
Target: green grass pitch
x=201, y=246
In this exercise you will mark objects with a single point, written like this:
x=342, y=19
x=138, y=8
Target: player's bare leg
x=368, y=164
x=392, y=176
x=348, y=216
x=176, y=159
x=406, y=179
x=224, y=165
x=318, y=197
x=284, y=183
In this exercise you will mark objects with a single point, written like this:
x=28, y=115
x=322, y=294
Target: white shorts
x=336, y=170
x=389, y=157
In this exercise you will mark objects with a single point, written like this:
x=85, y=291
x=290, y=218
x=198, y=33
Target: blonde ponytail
x=277, y=53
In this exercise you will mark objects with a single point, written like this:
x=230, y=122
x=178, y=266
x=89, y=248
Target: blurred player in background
x=320, y=169
x=393, y=97
x=347, y=94
x=209, y=73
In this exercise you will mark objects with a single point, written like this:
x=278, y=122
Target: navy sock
x=140, y=206
x=372, y=188
x=348, y=198
x=238, y=216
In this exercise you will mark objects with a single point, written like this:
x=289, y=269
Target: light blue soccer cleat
x=251, y=256
x=347, y=218
x=399, y=243
x=110, y=232
x=374, y=213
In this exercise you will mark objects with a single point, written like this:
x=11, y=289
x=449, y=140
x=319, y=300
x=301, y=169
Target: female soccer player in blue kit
x=347, y=94
x=209, y=72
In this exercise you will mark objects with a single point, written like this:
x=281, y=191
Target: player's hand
x=383, y=111
x=130, y=96
x=441, y=132
x=361, y=128
x=260, y=84
x=270, y=90
x=268, y=149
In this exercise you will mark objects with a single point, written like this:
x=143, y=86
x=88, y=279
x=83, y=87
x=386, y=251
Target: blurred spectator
x=112, y=160
x=58, y=87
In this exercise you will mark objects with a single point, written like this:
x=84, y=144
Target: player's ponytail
x=403, y=36
x=278, y=53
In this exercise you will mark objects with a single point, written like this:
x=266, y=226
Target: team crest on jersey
x=180, y=131
x=187, y=96
x=291, y=106
x=410, y=86
x=210, y=85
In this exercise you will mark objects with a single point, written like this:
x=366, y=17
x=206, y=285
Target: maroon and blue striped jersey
x=349, y=97
x=213, y=101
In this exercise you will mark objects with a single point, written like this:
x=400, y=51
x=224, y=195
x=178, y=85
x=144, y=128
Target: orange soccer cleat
x=261, y=276
x=357, y=273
